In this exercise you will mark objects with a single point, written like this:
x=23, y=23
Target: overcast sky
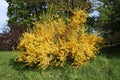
x=3, y=13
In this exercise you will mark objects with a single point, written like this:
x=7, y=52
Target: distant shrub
x=10, y=39
x=57, y=41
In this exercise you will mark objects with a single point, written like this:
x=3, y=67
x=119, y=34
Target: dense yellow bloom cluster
x=55, y=42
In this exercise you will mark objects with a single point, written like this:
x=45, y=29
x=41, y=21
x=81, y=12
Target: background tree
x=25, y=11
x=109, y=20
x=9, y=39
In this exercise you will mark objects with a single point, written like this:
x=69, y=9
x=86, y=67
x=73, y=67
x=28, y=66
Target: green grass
x=106, y=66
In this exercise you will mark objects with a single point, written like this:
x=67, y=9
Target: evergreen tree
x=109, y=20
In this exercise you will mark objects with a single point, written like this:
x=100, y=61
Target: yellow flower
x=53, y=42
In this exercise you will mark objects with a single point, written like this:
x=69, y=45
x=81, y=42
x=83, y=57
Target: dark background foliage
x=109, y=20
x=10, y=39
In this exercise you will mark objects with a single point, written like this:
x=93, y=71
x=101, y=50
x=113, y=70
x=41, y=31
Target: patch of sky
x=3, y=14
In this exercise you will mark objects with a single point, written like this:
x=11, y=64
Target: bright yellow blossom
x=53, y=42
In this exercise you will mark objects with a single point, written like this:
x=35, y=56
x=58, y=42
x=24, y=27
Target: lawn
x=106, y=66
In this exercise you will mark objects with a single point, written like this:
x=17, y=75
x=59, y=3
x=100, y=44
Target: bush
x=10, y=39
x=56, y=42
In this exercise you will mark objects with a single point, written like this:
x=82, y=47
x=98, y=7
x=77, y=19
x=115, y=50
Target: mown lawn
x=106, y=66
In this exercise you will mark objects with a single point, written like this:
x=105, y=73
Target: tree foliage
x=22, y=12
x=109, y=20
x=9, y=40
x=25, y=11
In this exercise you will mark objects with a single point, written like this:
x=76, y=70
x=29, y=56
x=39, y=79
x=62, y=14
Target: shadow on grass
x=111, y=51
x=20, y=66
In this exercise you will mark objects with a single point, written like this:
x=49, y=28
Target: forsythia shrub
x=56, y=41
